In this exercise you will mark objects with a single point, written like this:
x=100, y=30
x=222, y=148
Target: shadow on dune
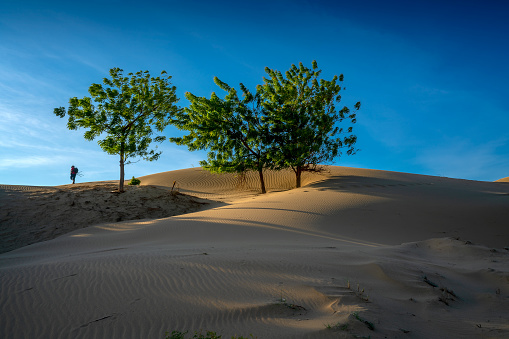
x=451, y=190
x=271, y=209
x=209, y=222
x=39, y=214
x=197, y=195
x=404, y=180
x=421, y=206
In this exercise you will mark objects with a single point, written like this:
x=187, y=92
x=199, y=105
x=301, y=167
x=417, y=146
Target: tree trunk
x=262, y=182
x=298, y=173
x=121, y=183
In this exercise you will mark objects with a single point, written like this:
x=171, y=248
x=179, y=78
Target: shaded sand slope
x=31, y=214
x=290, y=264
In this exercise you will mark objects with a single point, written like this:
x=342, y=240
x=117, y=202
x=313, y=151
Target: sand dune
x=413, y=256
x=33, y=214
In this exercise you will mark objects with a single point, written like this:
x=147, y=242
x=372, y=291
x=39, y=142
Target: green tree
x=125, y=112
x=231, y=129
x=302, y=117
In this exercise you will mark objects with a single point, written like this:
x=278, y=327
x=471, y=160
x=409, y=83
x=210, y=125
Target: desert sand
x=352, y=253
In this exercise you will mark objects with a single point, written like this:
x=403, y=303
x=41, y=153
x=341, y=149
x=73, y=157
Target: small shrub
x=134, y=181
x=338, y=326
x=369, y=324
x=175, y=335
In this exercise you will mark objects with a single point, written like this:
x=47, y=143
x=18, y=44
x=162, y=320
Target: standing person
x=74, y=171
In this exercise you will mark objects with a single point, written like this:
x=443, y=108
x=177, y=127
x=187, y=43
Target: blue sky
x=432, y=76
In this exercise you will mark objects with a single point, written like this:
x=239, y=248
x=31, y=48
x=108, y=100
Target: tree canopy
x=291, y=122
x=231, y=129
x=302, y=118
x=125, y=111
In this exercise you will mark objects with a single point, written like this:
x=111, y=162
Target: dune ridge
x=415, y=256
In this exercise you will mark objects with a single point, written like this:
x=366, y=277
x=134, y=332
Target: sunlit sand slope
x=228, y=187
x=378, y=206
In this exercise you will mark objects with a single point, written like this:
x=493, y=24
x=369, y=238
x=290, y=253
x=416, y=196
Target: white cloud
x=30, y=161
x=21, y=85
x=87, y=62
